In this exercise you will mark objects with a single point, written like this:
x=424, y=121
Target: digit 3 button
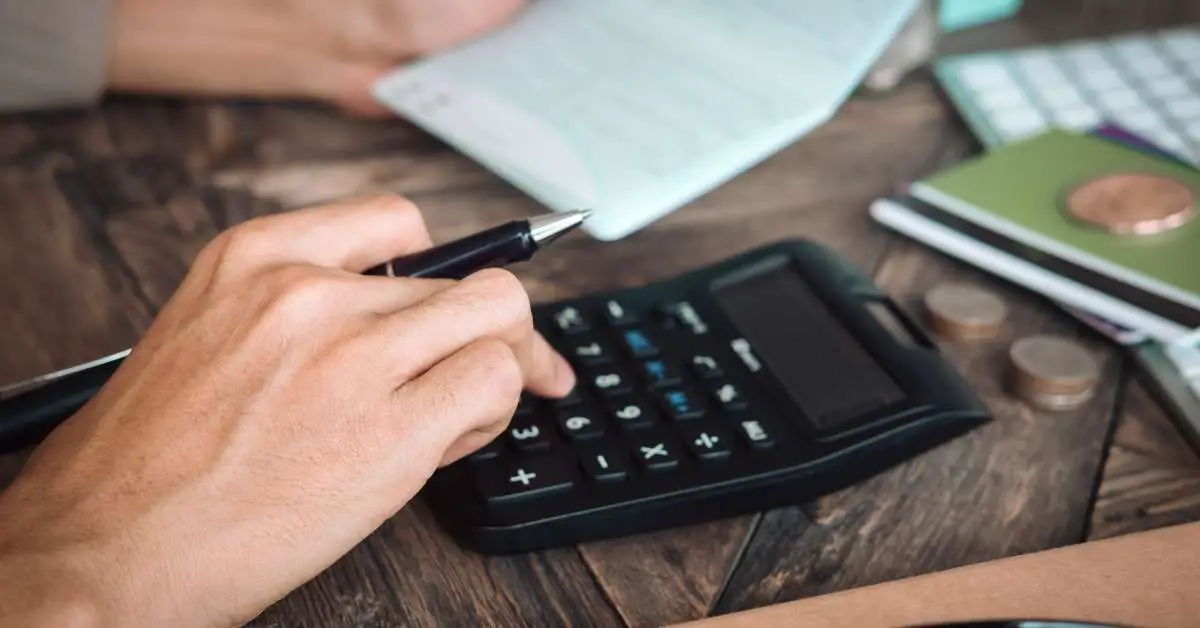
x=579, y=426
x=526, y=434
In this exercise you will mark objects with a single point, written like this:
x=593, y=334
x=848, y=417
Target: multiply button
x=681, y=405
x=706, y=442
x=658, y=373
x=756, y=434
x=569, y=320
x=589, y=352
x=655, y=453
x=528, y=435
x=639, y=344
x=529, y=478
x=706, y=367
x=579, y=425
x=617, y=314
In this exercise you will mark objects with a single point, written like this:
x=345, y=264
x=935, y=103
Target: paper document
x=632, y=108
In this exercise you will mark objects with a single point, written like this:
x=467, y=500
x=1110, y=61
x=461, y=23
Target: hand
x=312, y=49
x=279, y=409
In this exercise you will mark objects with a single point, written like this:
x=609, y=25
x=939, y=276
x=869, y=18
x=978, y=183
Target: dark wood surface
x=101, y=212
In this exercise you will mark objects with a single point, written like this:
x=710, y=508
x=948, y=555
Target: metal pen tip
x=548, y=227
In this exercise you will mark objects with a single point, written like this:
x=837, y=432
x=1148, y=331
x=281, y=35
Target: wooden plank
x=1020, y=484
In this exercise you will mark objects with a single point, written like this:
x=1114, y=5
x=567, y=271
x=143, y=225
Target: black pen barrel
x=28, y=418
x=495, y=247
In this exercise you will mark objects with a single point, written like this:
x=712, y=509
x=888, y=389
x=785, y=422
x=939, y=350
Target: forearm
x=53, y=53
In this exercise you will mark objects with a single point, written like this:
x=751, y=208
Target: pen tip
x=549, y=227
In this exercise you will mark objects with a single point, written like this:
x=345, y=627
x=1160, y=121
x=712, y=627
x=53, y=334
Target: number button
x=617, y=314
x=756, y=434
x=706, y=367
x=527, y=404
x=588, y=352
x=706, y=442
x=729, y=396
x=656, y=453
x=609, y=383
x=569, y=320
x=658, y=373
x=604, y=465
x=681, y=405
x=639, y=344
x=528, y=435
x=527, y=479
x=630, y=414
x=579, y=425
x=571, y=398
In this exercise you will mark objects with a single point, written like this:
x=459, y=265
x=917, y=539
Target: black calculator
x=766, y=380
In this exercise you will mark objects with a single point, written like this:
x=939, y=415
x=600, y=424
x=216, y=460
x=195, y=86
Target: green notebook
x=1011, y=202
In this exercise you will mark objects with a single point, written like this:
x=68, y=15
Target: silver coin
x=964, y=312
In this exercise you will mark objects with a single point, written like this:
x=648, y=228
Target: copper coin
x=1053, y=373
x=1132, y=203
x=964, y=312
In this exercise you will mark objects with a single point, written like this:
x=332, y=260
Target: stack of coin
x=1132, y=203
x=964, y=312
x=1053, y=373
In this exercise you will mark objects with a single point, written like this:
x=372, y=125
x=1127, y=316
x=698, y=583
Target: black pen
x=30, y=410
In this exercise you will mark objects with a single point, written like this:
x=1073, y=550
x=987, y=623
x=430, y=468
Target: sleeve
x=53, y=53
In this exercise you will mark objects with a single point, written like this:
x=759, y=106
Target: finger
x=351, y=235
x=385, y=296
x=475, y=389
x=547, y=373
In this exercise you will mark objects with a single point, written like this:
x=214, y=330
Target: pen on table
x=29, y=410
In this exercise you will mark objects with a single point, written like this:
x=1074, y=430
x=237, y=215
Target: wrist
x=35, y=592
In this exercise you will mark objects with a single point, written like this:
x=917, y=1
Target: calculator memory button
x=608, y=382
x=525, y=479
x=706, y=367
x=707, y=442
x=655, y=452
x=604, y=464
x=659, y=373
x=617, y=314
x=638, y=343
x=569, y=320
x=588, y=351
x=757, y=434
x=579, y=426
x=527, y=434
x=728, y=396
x=629, y=413
x=681, y=404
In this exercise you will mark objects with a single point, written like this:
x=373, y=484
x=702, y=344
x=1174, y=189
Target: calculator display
x=825, y=371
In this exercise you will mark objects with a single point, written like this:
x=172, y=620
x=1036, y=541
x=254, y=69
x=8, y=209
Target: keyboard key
x=569, y=320
x=617, y=315
x=659, y=373
x=572, y=398
x=630, y=413
x=681, y=405
x=604, y=464
x=579, y=426
x=728, y=395
x=588, y=352
x=490, y=451
x=527, y=434
x=685, y=315
x=526, y=479
x=707, y=442
x=639, y=344
x=655, y=452
x=609, y=382
x=706, y=367
x=756, y=434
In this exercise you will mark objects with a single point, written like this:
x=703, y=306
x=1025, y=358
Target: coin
x=964, y=312
x=1132, y=203
x=1053, y=373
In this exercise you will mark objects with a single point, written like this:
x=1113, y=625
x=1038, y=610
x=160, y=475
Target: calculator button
x=527, y=404
x=570, y=399
x=580, y=425
x=569, y=320
x=728, y=396
x=707, y=442
x=528, y=478
x=617, y=314
x=638, y=343
x=655, y=453
x=756, y=434
x=527, y=435
x=589, y=352
x=685, y=315
x=745, y=352
x=706, y=367
x=680, y=404
x=490, y=451
x=609, y=382
x=630, y=413
x=604, y=464
x=659, y=373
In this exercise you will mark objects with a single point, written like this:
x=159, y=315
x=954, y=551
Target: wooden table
x=101, y=212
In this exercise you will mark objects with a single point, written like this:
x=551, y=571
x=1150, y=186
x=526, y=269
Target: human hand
x=309, y=49
x=279, y=409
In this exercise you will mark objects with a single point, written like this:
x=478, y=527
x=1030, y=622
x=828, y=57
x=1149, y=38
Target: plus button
x=523, y=477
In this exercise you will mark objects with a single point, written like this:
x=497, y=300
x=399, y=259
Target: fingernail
x=565, y=374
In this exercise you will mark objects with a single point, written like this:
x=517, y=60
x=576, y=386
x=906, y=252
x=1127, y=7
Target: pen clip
x=12, y=390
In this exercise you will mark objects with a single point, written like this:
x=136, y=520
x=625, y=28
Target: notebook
x=1002, y=211
x=633, y=108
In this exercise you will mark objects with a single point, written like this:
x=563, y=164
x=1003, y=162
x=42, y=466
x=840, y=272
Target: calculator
x=765, y=380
